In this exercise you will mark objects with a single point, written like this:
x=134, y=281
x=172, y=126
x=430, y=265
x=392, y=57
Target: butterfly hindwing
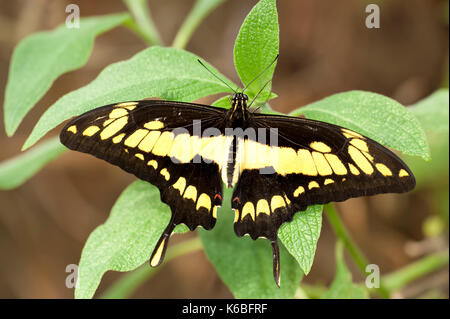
x=142, y=138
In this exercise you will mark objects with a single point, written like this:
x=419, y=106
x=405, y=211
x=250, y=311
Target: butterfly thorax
x=238, y=114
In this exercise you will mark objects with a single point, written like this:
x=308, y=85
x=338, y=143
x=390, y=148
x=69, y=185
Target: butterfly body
x=278, y=165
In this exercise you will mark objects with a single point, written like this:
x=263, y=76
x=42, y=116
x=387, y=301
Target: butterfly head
x=239, y=100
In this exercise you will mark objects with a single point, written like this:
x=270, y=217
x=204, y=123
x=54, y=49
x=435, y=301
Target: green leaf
x=41, y=58
x=433, y=114
x=200, y=10
x=374, y=115
x=245, y=265
x=257, y=46
x=17, y=170
x=127, y=238
x=168, y=73
x=301, y=235
x=342, y=286
x=224, y=101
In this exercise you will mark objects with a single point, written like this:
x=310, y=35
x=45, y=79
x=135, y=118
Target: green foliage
x=257, y=46
x=374, y=115
x=167, y=73
x=42, y=57
x=15, y=171
x=127, y=238
x=301, y=235
x=433, y=114
x=245, y=265
x=342, y=286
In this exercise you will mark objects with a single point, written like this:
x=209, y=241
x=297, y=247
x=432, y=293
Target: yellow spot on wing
x=353, y=169
x=157, y=257
x=277, y=202
x=204, y=201
x=108, y=121
x=139, y=155
x=362, y=145
x=118, y=113
x=180, y=149
x=383, y=169
x=113, y=128
x=214, y=212
x=191, y=193
x=180, y=185
x=236, y=215
x=352, y=133
x=128, y=105
x=320, y=146
x=298, y=191
x=307, y=166
x=321, y=164
x=153, y=164
x=248, y=209
x=360, y=160
x=135, y=138
x=286, y=199
x=149, y=141
x=91, y=130
x=313, y=184
x=164, y=144
x=164, y=172
x=403, y=173
x=214, y=148
x=154, y=125
x=256, y=155
x=328, y=181
x=286, y=161
x=72, y=129
x=262, y=207
x=118, y=138
x=336, y=164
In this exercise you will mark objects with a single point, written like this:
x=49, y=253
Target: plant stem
x=143, y=24
x=200, y=10
x=126, y=285
x=353, y=250
x=400, y=278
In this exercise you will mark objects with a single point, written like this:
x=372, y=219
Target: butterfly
x=278, y=165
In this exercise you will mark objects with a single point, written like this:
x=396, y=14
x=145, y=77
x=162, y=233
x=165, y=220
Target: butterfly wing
x=311, y=162
x=156, y=141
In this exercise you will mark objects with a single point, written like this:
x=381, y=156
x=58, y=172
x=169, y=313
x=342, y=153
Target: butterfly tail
x=161, y=246
x=276, y=261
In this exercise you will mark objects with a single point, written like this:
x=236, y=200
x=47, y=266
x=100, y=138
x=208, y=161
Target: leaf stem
x=143, y=23
x=126, y=285
x=200, y=10
x=400, y=278
x=353, y=250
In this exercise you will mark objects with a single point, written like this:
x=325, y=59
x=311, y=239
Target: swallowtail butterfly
x=190, y=150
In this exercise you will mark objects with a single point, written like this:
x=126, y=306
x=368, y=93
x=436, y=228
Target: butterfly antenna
x=221, y=80
x=276, y=58
x=256, y=96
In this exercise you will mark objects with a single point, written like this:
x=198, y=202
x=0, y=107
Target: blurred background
x=325, y=48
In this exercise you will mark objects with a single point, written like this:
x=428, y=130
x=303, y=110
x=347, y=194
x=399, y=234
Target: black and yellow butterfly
x=189, y=150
